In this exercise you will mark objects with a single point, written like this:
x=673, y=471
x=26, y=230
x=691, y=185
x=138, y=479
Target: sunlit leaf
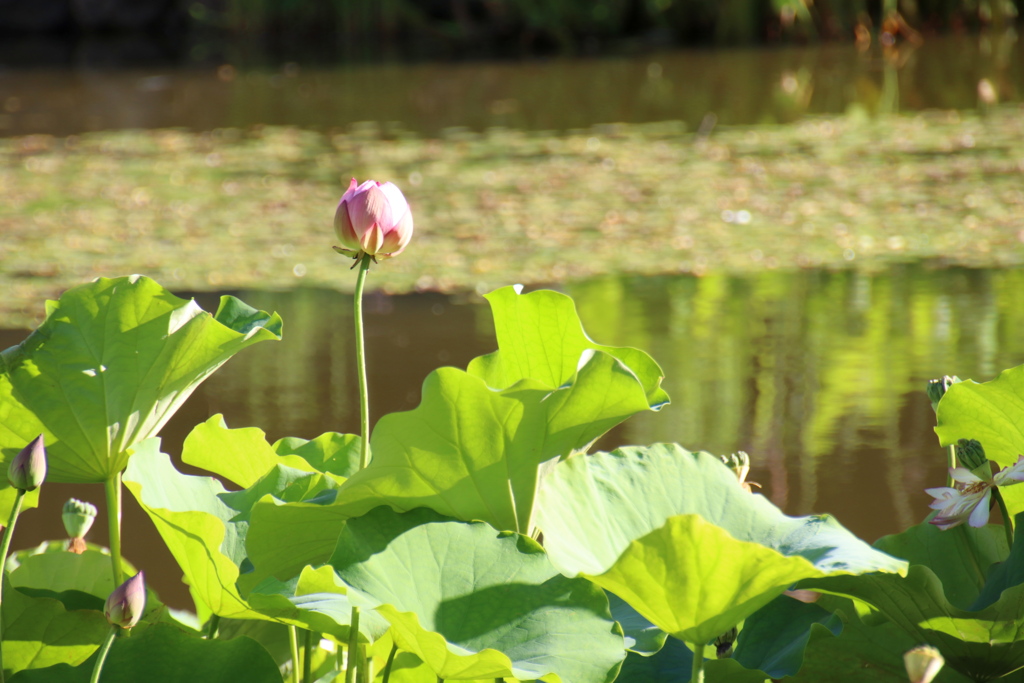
x=40, y=632
x=675, y=535
x=111, y=363
x=473, y=602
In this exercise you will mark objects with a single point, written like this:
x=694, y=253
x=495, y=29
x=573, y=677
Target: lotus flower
x=28, y=469
x=969, y=501
x=124, y=606
x=374, y=219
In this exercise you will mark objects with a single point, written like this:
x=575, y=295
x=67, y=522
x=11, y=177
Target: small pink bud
x=28, y=469
x=124, y=606
x=373, y=218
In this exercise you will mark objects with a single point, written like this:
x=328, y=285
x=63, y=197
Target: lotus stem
x=364, y=392
x=212, y=627
x=4, y=549
x=113, y=489
x=1007, y=520
x=307, y=658
x=97, y=669
x=697, y=673
x=950, y=464
x=386, y=675
x=353, y=646
x=365, y=665
x=293, y=642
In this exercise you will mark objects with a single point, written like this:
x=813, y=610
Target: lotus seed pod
x=28, y=469
x=937, y=388
x=971, y=455
x=78, y=517
x=125, y=605
x=923, y=663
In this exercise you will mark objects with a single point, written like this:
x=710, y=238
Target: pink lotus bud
x=124, y=606
x=373, y=218
x=28, y=469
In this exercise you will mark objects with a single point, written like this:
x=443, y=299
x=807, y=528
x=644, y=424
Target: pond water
x=819, y=376
x=737, y=86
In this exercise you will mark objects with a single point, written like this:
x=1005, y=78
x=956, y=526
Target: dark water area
x=819, y=376
x=700, y=87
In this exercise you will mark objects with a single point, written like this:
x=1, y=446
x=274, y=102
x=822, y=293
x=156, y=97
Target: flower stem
x=364, y=393
x=4, y=549
x=386, y=675
x=104, y=649
x=293, y=642
x=307, y=658
x=113, y=489
x=1007, y=520
x=950, y=464
x=353, y=644
x=697, y=673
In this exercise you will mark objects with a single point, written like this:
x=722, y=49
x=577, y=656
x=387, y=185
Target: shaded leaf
x=774, y=638
x=472, y=602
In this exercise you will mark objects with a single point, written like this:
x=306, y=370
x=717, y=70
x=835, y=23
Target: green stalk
x=386, y=675
x=353, y=645
x=113, y=489
x=950, y=464
x=364, y=392
x=307, y=658
x=104, y=649
x=697, y=673
x=1007, y=520
x=4, y=549
x=212, y=627
x=293, y=642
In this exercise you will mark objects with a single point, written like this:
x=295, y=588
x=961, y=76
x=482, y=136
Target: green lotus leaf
x=314, y=600
x=111, y=363
x=540, y=337
x=641, y=635
x=983, y=641
x=61, y=571
x=332, y=453
x=472, y=602
x=18, y=426
x=41, y=632
x=862, y=653
x=673, y=664
x=675, y=535
x=199, y=528
x=775, y=637
x=163, y=654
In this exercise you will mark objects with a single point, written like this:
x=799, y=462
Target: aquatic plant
x=475, y=537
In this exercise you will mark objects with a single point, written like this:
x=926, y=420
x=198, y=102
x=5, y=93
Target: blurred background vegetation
x=328, y=30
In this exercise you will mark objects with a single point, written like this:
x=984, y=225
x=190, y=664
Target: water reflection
x=741, y=86
x=818, y=375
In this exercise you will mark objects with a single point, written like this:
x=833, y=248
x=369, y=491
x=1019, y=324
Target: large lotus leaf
x=675, y=535
x=314, y=600
x=862, y=653
x=243, y=456
x=959, y=557
x=992, y=413
x=63, y=571
x=197, y=526
x=774, y=638
x=111, y=363
x=540, y=337
x=674, y=662
x=642, y=637
x=983, y=644
x=163, y=654
x=1001, y=575
x=40, y=631
x=473, y=602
